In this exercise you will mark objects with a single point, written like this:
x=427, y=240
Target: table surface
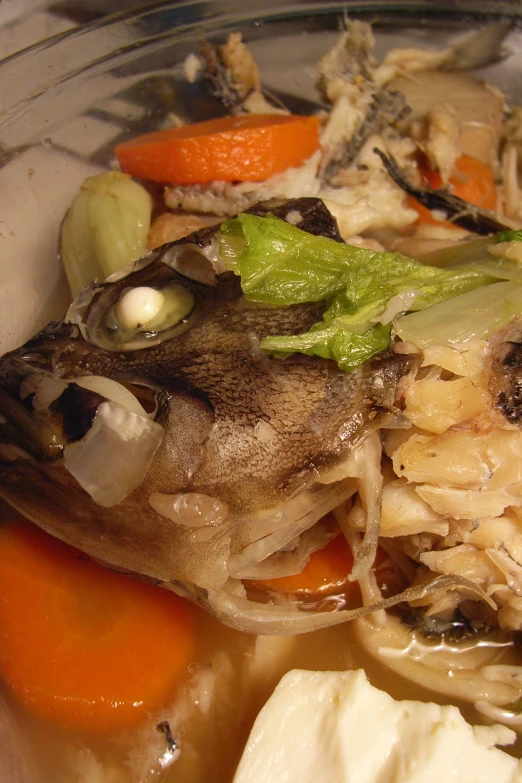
x=26, y=22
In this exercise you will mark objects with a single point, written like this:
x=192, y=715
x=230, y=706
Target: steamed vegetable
x=105, y=229
x=363, y=289
x=326, y=574
x=81, y=645
x=248, y=147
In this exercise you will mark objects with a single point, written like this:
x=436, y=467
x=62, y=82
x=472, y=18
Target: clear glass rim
x=30, y=72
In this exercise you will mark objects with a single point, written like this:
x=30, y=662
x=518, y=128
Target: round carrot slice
x=81, y=645
x=249, y=147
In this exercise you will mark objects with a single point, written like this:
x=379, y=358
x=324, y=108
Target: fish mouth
x=92, y=426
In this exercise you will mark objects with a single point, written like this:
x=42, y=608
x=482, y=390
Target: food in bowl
x=282, y=416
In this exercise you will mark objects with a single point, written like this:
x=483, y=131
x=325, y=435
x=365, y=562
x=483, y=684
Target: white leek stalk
x=105, y=229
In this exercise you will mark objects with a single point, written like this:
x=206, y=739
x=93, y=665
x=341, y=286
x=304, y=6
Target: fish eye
x=119, y=316
x=147, y=310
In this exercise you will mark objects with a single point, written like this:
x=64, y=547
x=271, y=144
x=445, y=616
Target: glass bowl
x=66, y=102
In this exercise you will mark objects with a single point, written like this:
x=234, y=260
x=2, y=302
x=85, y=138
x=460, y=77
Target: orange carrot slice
x=326, y=573
x=252, y=147
x=472, y=181
x=83, y=646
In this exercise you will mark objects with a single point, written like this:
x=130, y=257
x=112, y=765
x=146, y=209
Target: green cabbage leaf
x=363, y=290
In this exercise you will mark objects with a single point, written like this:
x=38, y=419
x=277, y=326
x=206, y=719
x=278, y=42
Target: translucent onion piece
x=112, y=390
x=287, y=618
x=115, y=454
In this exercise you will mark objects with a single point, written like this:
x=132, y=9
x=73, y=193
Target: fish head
x=176, y=449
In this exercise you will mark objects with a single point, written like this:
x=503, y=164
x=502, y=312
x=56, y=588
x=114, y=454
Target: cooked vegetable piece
x=249, y=147
x=364, y=289
x=83, y=646
x=476, y=108
x=105, y=228
x=326, y=572
x=475, y=315
x=472, y=181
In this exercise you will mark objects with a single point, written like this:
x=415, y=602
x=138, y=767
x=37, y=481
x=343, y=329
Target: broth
x=230, y=679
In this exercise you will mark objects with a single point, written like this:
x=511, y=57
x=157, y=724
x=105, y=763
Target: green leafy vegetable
x=280, y=264
x=508, y=236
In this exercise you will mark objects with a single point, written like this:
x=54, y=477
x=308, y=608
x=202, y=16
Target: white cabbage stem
x=105, y=229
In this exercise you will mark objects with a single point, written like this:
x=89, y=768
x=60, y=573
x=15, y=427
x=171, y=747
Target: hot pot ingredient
x=252, y=147
x=326, y=574
x=80, y=645
x=326, y=726
x=105, y=228
x=472, y=181
x=214, y=389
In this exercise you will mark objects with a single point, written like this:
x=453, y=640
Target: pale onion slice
x=113, y=391
x=113, y=457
